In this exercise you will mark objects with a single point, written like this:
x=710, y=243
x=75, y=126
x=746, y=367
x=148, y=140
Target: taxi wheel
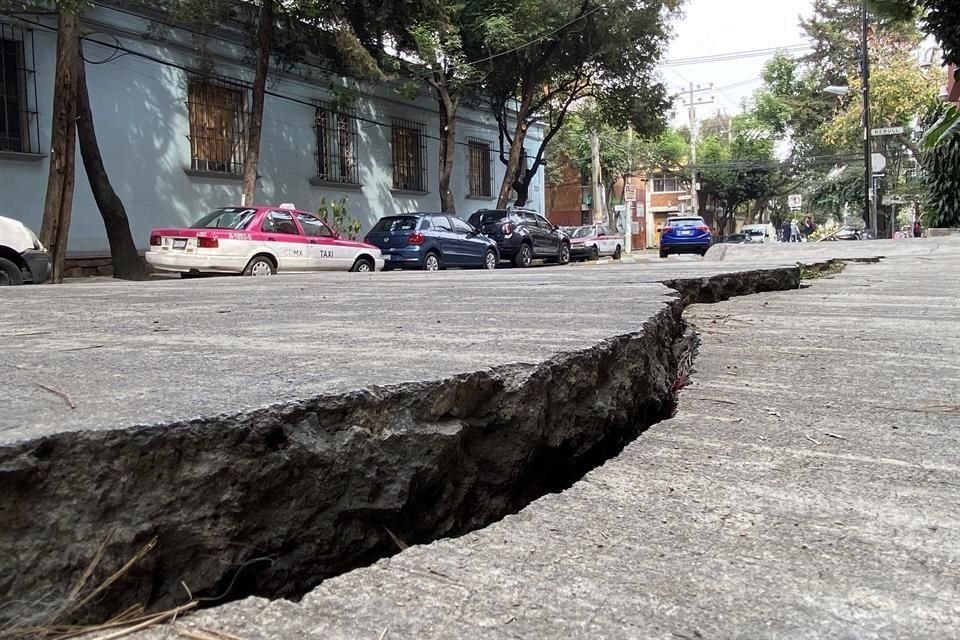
x=618, y=253
x=363, y=265
x=260, y=266
x=595, y=254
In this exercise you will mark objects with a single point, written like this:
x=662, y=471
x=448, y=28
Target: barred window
x=217, y=125
x=336, y=146
x=409, y=152
x=480, y=174
x=18, y=91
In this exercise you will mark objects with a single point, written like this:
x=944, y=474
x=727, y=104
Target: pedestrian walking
x=917, y=229
x=794, y=231
x=785, y=231
x=807, y=228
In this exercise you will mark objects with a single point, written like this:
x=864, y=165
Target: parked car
x=432, y=241
x=22, y=257
x=595, y=240
x=523, y=236
x=685, y=234
x=760, y=233
x=735, y=238
x=258, y=241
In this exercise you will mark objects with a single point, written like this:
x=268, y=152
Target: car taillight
x=666, y=228
x=207, y=243
x=415, y=238
x=507, y=228
x=704, y=228
x=155, y=241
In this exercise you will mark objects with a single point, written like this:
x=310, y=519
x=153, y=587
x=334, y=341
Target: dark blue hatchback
x=431, y=241
x=685, y=234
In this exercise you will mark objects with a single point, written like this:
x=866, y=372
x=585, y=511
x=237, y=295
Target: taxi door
x=282, y=235
x=324, y=253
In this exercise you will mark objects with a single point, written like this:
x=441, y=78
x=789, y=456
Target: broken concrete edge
x=273, y=501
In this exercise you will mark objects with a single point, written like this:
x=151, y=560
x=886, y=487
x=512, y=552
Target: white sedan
x=258, y=241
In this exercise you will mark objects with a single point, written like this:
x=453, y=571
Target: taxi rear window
x=228, y=218
x=396, y=223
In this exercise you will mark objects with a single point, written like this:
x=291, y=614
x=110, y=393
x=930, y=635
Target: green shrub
x=336, y=215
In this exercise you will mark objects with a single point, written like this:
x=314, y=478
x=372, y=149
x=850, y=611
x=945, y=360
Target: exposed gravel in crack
x=274, y=501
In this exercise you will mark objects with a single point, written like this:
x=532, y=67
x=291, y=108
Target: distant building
x=953, y=86
x=171, y=107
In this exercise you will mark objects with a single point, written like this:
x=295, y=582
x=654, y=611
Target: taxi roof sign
x=288, y=205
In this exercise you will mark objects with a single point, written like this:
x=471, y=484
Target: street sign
x=630, y=193
x=795, y=202
x=684, y=198
x=878, y=162
x=887, y=131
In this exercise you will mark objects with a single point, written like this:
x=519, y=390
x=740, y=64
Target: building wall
x=564, y=199
x=953, y=87
x=141, y=118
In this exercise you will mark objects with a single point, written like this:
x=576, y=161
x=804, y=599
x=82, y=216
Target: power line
x=734, y=55
x=241, y=83
x=539, y=39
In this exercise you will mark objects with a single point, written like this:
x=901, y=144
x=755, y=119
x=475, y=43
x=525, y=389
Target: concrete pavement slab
x=806, y=488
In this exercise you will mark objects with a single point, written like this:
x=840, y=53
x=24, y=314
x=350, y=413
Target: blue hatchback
x=685, y=234
x=431, y=241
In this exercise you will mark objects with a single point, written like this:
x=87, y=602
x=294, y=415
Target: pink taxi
x=258, y=241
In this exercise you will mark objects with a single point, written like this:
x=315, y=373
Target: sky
x=710, y=27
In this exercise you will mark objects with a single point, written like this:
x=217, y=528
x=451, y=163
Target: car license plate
x=685, y=232
x=180, y=243
x=387, y=256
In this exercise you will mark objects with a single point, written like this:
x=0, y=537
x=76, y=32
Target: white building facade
x=171, y=127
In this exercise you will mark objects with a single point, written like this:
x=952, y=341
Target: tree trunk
x=252, y=159
x=448, y=126
x=63, y=144
x=123, y=251
x=512, y=177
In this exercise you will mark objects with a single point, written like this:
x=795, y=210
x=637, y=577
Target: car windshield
x=486, y=218
x=685, y=222
x=228, y=218
x=396, y=223
x=754, y=232
x=584, y=232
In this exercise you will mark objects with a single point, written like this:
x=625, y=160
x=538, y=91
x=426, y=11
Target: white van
x=760, y=233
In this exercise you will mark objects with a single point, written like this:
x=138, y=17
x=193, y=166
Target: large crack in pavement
x=274, y=501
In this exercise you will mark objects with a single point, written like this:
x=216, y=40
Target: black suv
x=523, y=236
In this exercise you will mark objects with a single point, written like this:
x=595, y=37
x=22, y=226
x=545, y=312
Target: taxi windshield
x=228, y=218
x=584, y=232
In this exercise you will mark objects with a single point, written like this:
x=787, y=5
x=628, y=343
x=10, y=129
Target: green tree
x=542, y=57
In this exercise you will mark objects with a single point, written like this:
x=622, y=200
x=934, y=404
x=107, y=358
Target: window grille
x=18, y=91
x=217, y=125
x=409, y=152
x=480, y=175
x=336, y=145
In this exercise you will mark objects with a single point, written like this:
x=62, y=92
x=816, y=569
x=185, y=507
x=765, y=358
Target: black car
x=431, y=241
x=523, y=236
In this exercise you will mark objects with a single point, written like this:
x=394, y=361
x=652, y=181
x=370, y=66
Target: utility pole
x=693, y=102
x=596, y=179
x=869, y=210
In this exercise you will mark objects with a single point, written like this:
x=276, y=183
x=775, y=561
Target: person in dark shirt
x=917, y=229
x=785, y=231
x=808, y=227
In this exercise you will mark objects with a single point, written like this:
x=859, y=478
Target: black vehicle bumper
x=684, y=248
x=38, y=264
x=580, y=251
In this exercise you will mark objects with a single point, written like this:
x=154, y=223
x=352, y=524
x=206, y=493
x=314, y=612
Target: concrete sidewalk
x=807, y=488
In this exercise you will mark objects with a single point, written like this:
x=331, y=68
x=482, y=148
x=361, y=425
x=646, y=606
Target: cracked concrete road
x=146, y=353
x=807, y=488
